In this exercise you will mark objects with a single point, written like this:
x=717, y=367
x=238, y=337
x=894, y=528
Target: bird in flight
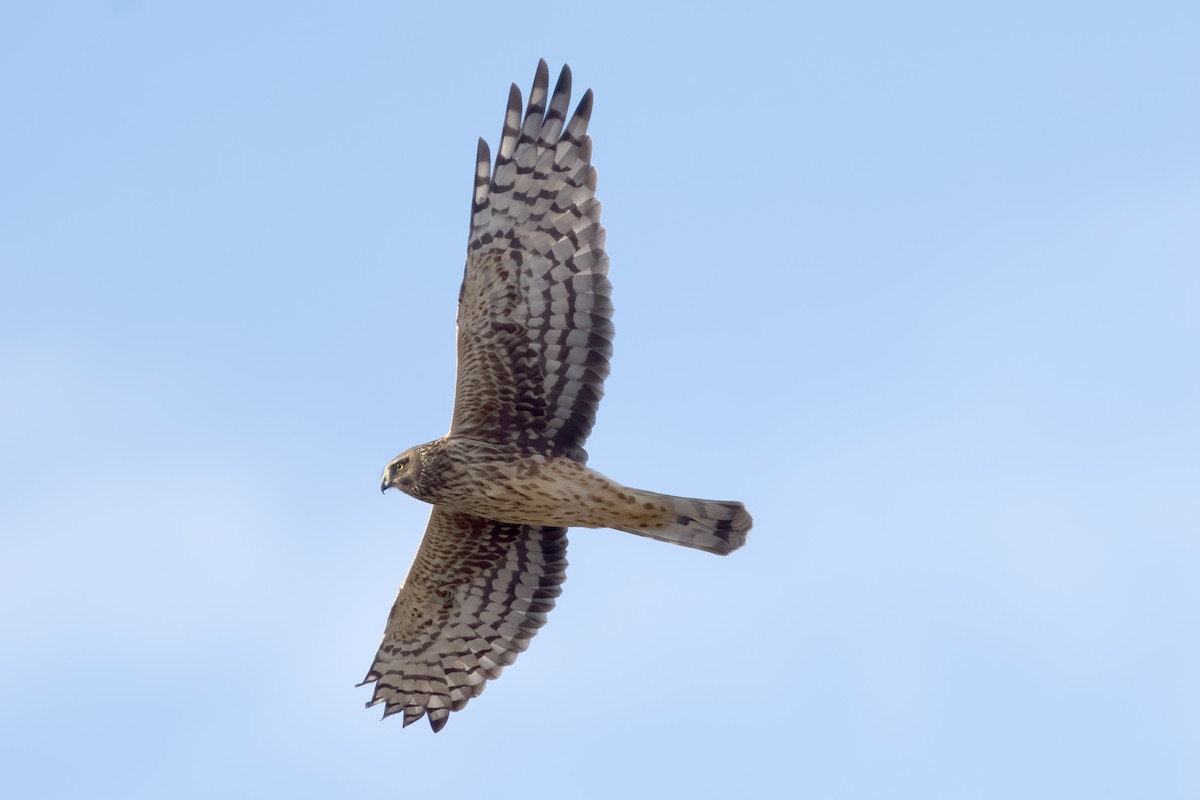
x=534, y=341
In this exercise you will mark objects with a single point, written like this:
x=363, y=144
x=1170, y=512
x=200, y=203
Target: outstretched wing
x=534, y=313
x=475, y=595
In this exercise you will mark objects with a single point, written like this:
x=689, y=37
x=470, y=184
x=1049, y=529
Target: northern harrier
x=534, y=341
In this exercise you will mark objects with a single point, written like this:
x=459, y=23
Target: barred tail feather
x=714, y=526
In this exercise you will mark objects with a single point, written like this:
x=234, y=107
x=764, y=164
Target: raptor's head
x=401, y=472
x=404, y=471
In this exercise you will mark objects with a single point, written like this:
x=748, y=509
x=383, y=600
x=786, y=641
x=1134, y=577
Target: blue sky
x=917, y=283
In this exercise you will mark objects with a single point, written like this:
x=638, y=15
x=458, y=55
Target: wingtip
x=584, y=109
x=563, y=85
x=483, y=161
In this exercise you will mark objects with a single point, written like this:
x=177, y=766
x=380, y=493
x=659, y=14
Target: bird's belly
x=550, y=492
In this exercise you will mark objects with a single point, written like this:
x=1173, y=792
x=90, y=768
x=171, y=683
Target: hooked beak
x=384, y=483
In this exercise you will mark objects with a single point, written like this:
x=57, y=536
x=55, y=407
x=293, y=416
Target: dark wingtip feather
x=514, y=98
x=483, y=159
x=512, y=125
x=563, y=85
x=584, y=109
x=483, y=163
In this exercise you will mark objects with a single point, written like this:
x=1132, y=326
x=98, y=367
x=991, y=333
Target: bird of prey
x=534, y=342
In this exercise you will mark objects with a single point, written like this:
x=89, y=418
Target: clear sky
x=918, y=283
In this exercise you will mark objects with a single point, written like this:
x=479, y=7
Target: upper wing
x=475, y=595
x=534, y=313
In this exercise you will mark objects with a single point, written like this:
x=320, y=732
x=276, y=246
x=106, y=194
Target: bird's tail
x=715, y=526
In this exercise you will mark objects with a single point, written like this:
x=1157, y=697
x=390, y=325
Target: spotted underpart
x=534, y=342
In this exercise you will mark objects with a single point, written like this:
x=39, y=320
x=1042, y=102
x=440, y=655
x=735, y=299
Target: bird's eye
x=400, y=466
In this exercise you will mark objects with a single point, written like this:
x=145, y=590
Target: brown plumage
x=534, y=342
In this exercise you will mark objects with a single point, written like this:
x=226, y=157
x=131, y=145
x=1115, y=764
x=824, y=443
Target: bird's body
x=515, y=486
x=534, y=342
